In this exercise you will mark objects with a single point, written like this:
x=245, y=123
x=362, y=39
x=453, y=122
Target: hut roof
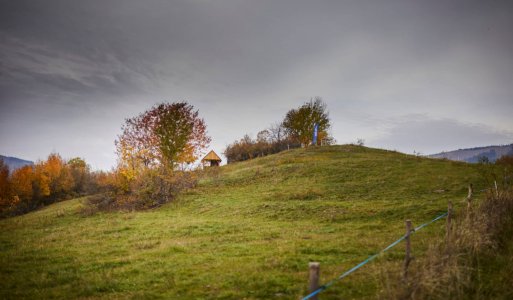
x=211, y=156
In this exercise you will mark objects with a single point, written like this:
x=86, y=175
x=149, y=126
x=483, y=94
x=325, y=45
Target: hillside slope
x=247, y=231
x=15, y=163
x=473, y=155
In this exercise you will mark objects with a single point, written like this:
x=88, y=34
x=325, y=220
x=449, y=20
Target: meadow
x=247, y=231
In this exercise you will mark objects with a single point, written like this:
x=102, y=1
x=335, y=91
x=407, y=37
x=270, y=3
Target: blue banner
x=316, y=128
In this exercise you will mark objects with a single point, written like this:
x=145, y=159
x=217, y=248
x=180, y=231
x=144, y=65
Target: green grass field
x=246, y=233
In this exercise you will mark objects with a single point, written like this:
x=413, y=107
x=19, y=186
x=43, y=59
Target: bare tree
x=276, y=132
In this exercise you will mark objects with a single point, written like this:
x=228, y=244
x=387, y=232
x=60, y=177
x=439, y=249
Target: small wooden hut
x=211, y=159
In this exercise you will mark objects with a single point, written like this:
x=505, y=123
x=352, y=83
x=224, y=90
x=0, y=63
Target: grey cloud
x=428, y=136
x=244, y=64
x=44, y=68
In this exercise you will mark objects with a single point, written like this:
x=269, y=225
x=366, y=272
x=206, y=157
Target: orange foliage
x=46, y=182
x=59, y=175
x=105, y=180
x=41, y=181
x=52, y=177
x=21, y=183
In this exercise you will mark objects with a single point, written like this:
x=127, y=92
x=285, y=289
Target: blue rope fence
x=372, y=257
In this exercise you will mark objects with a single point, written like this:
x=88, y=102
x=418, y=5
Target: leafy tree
x=102, y=181
x=45, y=182
x=299, y=123
x=21, y=183
x=58, y=173
x=40, y=181
x=80, y=173
x=165, y=135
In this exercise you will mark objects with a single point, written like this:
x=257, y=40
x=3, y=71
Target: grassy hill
x=247, y=232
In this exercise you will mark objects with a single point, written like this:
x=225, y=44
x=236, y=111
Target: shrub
x=99, y=202
x=151, y=188
x=452, y=270
x=247, y=148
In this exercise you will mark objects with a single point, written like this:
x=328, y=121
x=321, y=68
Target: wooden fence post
x=469, y=196
x=407, y=258
x=448, y=226
x=313, y=280
x=496, y=190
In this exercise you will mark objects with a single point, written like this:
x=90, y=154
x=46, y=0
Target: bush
x=505, y=170
x=99, y=202
x=454, y=270
x=247, y=148
x=151, y=188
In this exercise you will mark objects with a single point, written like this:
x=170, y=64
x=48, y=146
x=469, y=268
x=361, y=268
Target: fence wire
x=369, y=259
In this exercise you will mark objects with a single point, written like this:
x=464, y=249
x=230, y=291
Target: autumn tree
x=80, y=173
x=45, y=182
x=103, y=181
x=21, y=183
x=58, y=175
x=151, y=148
x=40, y=182
x=299, y=123
x=47, y=174
x=165, y=135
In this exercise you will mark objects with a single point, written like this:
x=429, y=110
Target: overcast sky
x=422, y=76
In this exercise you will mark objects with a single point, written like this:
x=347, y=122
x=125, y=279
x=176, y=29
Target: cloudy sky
x=408, y=75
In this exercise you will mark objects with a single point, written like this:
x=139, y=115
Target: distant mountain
x=472, y=155
x=15, y=163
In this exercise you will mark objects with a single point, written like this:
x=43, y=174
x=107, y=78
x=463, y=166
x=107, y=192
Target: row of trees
x=269, y=141
x=153, y=150
x=54, y=179
x=296, y=130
